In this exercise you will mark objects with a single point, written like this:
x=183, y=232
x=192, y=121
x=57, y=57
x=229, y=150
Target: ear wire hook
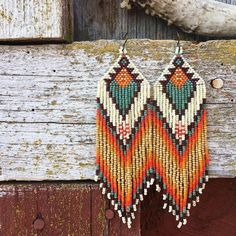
x=126, y=39
x=178, y=43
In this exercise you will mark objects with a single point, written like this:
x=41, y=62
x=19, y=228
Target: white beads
x=129, y=220
x=184, y=221
x=158, y=189
x=145, y=191
x=132, y=215
x=96, y=178
x=152, y=181
x=178, y=50
x=197, y=199
x=165, y=205
x=203, y=186
x=179, y=225
x=129, y=225
x=119, y=213
x=189, y=206
x=141, y=197
x=103, y=191
x=123, y=220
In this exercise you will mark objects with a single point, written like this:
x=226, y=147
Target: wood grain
x=104, y=19
x=30, y=20
x=79, y=209
x=47, y=103
x=66, y=209
x=214, y=215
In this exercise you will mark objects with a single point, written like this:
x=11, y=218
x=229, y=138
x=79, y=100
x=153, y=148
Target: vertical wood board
x=104, y=19
x=74, y=209
x=214, y=215
x=35, y=20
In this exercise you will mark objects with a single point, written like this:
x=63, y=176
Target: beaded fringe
x=180, y=142
x=123, y=137
x=140, y=141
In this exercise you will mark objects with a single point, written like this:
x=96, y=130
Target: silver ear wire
x=178, y=50
x=126, y=39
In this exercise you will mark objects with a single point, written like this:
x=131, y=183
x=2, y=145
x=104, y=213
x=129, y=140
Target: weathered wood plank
x=103, y=19
x=214, y=215
x=47, y=103
x=67, y=151
x=65, y=208
x=30, y=20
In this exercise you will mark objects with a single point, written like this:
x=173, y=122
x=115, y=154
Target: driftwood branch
x=203, y=17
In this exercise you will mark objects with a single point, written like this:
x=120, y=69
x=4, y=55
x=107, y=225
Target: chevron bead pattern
x=124, y=137
x=179, y=137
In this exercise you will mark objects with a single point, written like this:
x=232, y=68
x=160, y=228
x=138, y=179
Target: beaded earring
x=179, y=137
x=124, y=137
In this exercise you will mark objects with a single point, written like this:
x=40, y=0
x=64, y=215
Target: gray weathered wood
x=47, y=103
x=35, y=20
x=103, y=19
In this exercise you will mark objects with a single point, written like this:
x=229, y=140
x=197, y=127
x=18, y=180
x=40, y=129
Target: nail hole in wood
x=109, y=214
x=39, y=224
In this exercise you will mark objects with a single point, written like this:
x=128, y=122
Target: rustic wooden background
x=78, y=209
x=66, y=209
x=47, y=121
x=48, y=103
x=213, y=216
x=104, y=19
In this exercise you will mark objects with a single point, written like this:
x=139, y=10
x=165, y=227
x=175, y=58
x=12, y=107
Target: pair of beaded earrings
x=142, y=140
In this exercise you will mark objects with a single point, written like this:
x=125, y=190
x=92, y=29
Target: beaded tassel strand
x=180, y=146
x=122, y=134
